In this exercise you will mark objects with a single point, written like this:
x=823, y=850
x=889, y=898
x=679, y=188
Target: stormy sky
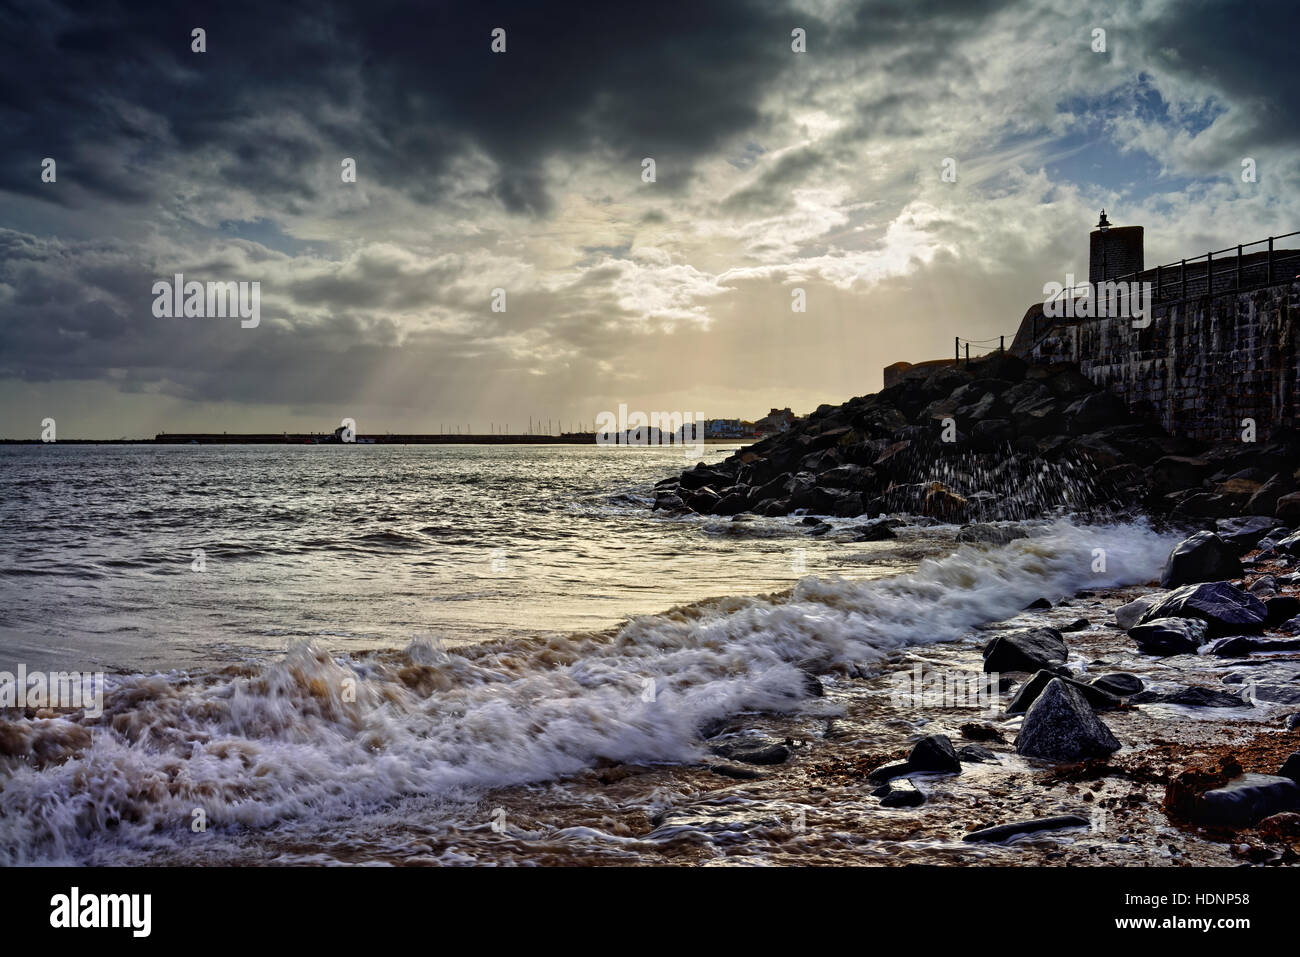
x=523, y=171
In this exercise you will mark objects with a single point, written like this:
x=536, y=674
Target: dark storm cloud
x=225, y=165
x=82, y=83
x=1246, y=52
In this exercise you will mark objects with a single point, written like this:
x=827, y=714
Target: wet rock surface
x=1005, y=832
x=1222, y=605
x=1060, y=726
x=1170, y=636
x=1032, y=649
x=999, y=439
x=1204, y=557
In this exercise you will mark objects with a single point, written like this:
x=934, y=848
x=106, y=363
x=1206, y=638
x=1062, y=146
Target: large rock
x=1223, y=605
x=1002, y=832
x=1028, y=693
x=1170, y=636
x=1095, y=411
x=990, y=534
x=1264, y=502
x=1247, y=800
x=1031, y=649
x=1289, y=544
x=934, y=755
x=1177, y=472
x=1281, y=608
x=754, y=753
x=1126, y=616
x=1121, y=684
x=1194, y=697
x=1060, y=726
x=902, y=794
x=1238, y=646
x=1291, y=767
x=1204, y=557
x=1243, y=533
x=1288, y=508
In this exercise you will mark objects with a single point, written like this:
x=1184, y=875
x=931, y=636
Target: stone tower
x=1113, y=251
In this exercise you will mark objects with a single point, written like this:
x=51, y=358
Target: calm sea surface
x=357, y=546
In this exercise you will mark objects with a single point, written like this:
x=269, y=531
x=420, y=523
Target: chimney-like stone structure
x=1113, y=251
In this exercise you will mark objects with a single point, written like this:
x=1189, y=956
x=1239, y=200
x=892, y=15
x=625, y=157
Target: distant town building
x=724, y=429
x=778, y=420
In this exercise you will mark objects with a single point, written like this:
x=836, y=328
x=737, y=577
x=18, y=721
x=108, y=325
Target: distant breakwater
x=290, y=438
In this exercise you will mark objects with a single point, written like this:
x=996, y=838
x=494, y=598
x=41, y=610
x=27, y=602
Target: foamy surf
x=316, y=736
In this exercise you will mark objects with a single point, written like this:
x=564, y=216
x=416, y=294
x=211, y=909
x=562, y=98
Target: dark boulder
x=934, y=755
x=668, y=502
x=778, y=487
x=1288, y=545
x=1003, y=832
x=702, y=500
x=701, y=476
x=1280, y=608
x=1244, y=532
x=1264, y=587
x=1060, y=726
x=750, y=753
x=1170, y=636
x=1288, y=508
x=1291, y=767
x=990, y=534
x=1098, y=698
x=735, y=772
x=1120, y=684
x=1264, y=502
x=1031, y=649
x=902, y=794
x=974, y=754
x=1095, y=411
x=991, y=434
x=1194, y=697
x=1177, y=472
x=853, y=477
x=1239, y=646
x=1247, y=800
x=1126, y=616
x=1202, y=558
x=888, y=772
x=733, y=503
x=877, y=531
x=1223, y=605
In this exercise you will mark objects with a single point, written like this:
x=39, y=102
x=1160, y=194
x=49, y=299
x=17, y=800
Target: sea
x=453, y=654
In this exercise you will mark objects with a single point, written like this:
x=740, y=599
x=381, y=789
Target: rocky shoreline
x=1170, y=759
x=1199, y=736
x=995, y=439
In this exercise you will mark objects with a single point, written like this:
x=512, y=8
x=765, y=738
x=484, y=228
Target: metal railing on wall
x=983, y=347
x=1199, y=276
x=1203, y=275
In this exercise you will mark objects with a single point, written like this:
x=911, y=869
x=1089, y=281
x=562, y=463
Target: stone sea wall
x=1202, y=366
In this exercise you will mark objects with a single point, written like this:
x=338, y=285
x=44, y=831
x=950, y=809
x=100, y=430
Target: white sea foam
x=285, y=742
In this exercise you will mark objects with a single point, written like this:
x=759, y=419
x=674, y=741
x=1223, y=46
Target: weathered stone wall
x=1201, y=366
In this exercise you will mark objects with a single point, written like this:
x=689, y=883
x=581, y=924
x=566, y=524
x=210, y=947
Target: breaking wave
x=324, y=736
